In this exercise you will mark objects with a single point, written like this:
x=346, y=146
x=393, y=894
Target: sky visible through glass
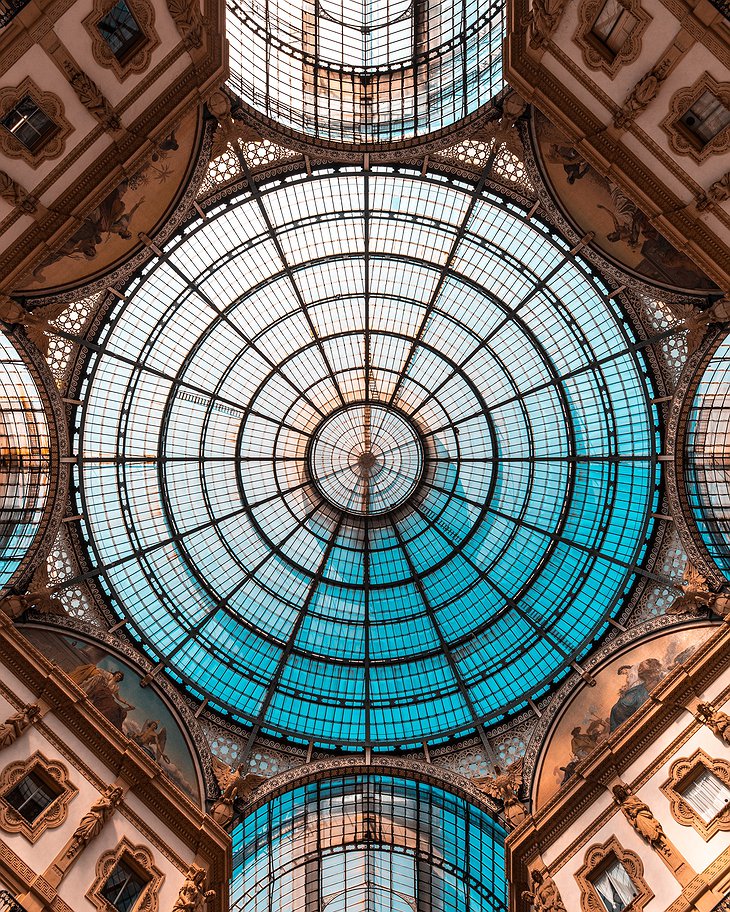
x=440, y=550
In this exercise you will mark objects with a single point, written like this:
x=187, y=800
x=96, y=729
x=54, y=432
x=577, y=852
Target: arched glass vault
x=366, y=457
x=368, y=843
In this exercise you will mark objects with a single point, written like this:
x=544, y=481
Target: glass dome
x=24, y=460
x=707, y=463
x=365, y=71
x=366, y=457
x=370, y=843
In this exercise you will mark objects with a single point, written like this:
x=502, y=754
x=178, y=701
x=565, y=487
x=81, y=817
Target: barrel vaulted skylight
x=707, y=465
x=365, y=71
x=366, y=458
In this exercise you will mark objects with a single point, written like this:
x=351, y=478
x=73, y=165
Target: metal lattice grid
x=527, y=393
x=370, y=843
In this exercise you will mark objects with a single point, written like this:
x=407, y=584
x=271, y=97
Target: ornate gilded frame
x=144, y=14
x=597, y=859
x=54, y=815
x=141, y=859
x=681, y=773
x=51, y=105
x=595, y=55
x=680, y=138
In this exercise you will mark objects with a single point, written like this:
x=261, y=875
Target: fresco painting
x=622, y=230
x=114, y=689
x=623, y=686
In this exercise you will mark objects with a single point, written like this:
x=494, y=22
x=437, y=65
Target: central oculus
x=366, y=459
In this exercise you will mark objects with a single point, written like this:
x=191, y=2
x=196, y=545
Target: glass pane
x=707, y=795
x=31, y=796
x=615, y=888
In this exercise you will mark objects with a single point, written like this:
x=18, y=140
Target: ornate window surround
x=56, y=812
x=144, y=13
x=141, y=859
x=681, y=773
x=595, y=54
x=597, y=859
x=680, y=139
x=51, y=105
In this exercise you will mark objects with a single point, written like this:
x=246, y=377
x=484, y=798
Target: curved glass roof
x=365, y=71
x=367, y=457
x=368, y=844
x=707, y=463
x=24, y=460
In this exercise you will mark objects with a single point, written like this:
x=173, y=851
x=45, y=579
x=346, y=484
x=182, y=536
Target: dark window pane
x=120, y=30
x=31, y=796
x=29, y=124
x=123, y=887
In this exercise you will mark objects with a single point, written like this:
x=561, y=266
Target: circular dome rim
x=642, y=363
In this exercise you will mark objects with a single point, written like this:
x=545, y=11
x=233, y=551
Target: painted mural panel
x=113, y=686
x=622, y=687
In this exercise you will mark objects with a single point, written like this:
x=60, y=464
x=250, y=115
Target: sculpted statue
x=229, y=130
x=91, y=97
x=505, y=787
x=695, y=593
x=92, y=823
x=188, y=20
x=193, y=896
x=36, y=322
x=639, y=97
x=718, y=193
x=17, y=196
x=19, y=722
x=239, y=783
x=696, y=323
x=717, y=721
x=543, y=895
x=640, y=817
x=543, y=19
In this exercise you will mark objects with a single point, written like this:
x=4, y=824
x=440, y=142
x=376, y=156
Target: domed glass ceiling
x=366, y=457
x=707, y=465
x=365, y=71
x=24, y=460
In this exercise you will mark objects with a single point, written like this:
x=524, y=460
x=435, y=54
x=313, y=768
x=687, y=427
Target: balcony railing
x=9, y=9
x=8, y=903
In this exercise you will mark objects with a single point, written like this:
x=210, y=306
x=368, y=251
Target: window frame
x=52, y=107
x=598, y=859
x=137, y=60
x=49, y=771
x=681, y=139
x=683, y=772
x=141, y=860
x=597, y=55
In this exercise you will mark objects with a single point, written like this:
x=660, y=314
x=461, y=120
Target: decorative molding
x=137, y=857
x=54, y=815
x=680, y=137
x=188, y=20
x=144, y=14
x=52, y=107
x=597, y=859
x=681, y=774
x=91, y=97
x=18, y=197
x=595, y=54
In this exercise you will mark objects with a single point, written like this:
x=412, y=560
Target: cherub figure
x=238, y=783
x=695, y=595
x=505, y=786
x=153, y=739
x=193, y=896
x=35, y=322
x=696, y=321
x=640, y=817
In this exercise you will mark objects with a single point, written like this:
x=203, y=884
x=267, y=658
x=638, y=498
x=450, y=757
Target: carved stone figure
x=188, y=20
x=239, y=783
x=640, y=817
x=17, y=196
x=36, y=322
x=505, y=787
x=543, y=895
x=92, y=823
x=695, y=595
x=503, y=130
x=91, y=97
x=696, y=321
x=230, y=130
x=543, y=19
x=15, y=725
x=193, y=896
x=717, y=721
x=718, y=193
x=641, y=95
